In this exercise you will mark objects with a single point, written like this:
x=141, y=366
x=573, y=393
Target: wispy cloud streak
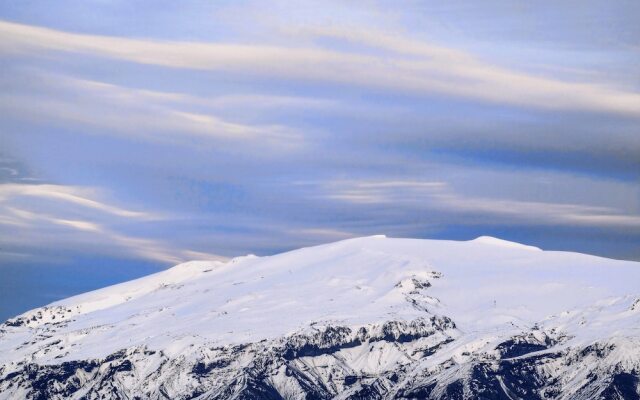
x=116, y=110
x=66, y=217
x=407, y=66
x=416, y=196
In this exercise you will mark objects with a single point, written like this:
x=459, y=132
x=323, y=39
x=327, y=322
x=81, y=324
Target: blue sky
x=136, y=135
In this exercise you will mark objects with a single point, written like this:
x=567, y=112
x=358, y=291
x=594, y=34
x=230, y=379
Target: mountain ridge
x=371, y=317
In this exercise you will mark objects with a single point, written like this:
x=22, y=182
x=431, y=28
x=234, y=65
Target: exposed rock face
x=331, y=363
x=370, y=318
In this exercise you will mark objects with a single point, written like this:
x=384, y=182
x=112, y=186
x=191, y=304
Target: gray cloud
x=416, y=196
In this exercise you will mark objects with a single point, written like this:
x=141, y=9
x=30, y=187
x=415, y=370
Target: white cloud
x=406, y=65
x=71, y=218
x=151, y=115
x=70, y=194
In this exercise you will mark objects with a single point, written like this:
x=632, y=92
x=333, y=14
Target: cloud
x=416, y=196
x=388, y=127
x=69, y=194
x=136, y=113
x=73, y=219
x=405, y=65
x=321, y=234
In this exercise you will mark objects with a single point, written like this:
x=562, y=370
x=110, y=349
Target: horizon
x=138, y=136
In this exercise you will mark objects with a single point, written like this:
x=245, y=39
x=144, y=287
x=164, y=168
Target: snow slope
x=371, y=317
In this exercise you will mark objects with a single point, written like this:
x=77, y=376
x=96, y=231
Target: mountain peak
x=490, y=240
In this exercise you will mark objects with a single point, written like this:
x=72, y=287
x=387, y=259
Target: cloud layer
x=245, y=128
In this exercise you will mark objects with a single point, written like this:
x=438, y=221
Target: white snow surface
x=489, y=287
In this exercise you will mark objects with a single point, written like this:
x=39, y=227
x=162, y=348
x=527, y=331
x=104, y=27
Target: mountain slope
x=367, y=318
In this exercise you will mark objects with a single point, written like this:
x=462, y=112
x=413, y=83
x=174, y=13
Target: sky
x=137, y=135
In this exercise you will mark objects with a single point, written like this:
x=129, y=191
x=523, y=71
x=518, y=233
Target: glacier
x=364, y=318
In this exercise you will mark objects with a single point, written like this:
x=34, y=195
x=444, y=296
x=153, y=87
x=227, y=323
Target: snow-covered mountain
x=367, y=318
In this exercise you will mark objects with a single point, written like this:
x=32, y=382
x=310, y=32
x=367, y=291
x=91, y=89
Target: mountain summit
x=365, y=318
